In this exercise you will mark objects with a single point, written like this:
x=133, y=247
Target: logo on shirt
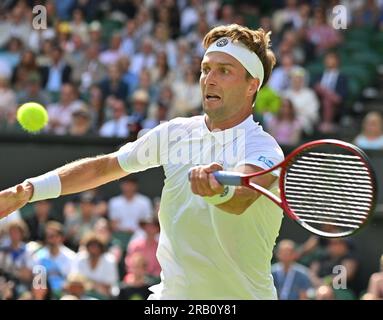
x=223, y=42
x=266, y=161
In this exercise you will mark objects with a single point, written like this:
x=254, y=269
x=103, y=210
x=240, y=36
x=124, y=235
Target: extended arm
x=75, y=177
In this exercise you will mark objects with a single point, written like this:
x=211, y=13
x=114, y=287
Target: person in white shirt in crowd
x=113, y=53
x=280, y=78
x=304, y=100
x=97, y=266
x=55, y=257
x=118, y=125
x=144, y=58
x=127, y=209
x=371, y=136
x=215, y=242
x=60, y=113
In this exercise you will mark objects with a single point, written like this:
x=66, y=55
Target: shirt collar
x=225, y=136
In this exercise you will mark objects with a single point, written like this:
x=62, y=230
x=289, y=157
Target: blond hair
x=257, y=41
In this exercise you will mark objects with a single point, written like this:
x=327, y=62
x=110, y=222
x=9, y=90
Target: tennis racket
x=327, y=186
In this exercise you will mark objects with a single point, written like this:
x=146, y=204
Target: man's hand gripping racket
x=326, y=186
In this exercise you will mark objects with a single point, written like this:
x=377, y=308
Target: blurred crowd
x=114, y=68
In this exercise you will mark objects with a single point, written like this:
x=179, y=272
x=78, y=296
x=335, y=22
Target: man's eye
x=205, y=70
x=225, y=71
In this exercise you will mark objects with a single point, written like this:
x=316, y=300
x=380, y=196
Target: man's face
x=224, y=86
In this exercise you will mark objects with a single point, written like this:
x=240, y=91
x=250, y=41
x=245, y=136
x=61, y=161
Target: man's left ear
x=254, y=84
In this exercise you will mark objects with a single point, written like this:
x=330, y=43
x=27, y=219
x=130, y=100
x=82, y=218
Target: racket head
x=328, y=187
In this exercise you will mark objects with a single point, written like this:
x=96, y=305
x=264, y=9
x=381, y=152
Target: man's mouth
x=212, y=97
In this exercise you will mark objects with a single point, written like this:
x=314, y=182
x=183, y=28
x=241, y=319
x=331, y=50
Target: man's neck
x=233, y=121
x=54, y=251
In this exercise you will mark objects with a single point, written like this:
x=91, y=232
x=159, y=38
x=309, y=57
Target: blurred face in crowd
x=297, y=82
x=137, y=265
x=67, y=94
x=224, y=86
x=373, y=125
x=114, y=72
x=286, y=252
x=15, y=234
x=331, y=61
x=87, y=209
x=94, y=249
x=118, y=109
x=128, y=188
x=337, y=247
x=53, y=237
x=42, y=209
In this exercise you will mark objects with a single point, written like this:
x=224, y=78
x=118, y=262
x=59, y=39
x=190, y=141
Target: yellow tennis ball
x=32, y=116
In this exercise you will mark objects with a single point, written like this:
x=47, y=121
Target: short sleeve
x=262, y=151
x=144, y=153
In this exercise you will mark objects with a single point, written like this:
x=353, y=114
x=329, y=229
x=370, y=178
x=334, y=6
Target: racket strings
x=329, y=189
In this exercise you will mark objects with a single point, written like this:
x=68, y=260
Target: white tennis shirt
x=205, y=252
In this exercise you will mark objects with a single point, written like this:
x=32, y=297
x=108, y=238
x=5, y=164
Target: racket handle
x=228, y=178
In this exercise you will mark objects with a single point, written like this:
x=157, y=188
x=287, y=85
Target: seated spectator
x=371, y=136
x=321, y=33
x=147, y=246
x=304, y=100
x=339, y=252
x=41, y=215
x=113, y=53
x=160, y=115
x=113, y=85
x=285, y=126
x=83, y=221
x=127, y=209
x=140, y=105
x=135, y=285
x=81, y=124
x=8, y=103
x=290, y=278
x=118, y=126
x=60, y=114
x=98, y=267
x=331, y=88
x=375, y=284
x=32, y=91
x=76, y=286
x=280, y=77
x=55, y=257
x=15, y=259
x=57, y=72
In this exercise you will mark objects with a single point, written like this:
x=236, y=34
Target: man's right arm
x=75, y=177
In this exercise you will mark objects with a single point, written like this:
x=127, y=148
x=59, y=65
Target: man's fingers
x=215, y=185
x=213, y=167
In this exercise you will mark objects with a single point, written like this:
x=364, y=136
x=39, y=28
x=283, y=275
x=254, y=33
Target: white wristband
x=46, y=186
x=227, y=194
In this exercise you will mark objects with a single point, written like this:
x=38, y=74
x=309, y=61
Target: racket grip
x=226, y=177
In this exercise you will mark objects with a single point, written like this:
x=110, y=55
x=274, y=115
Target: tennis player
x=215, y=242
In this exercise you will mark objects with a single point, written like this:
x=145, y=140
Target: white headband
x=249, y=59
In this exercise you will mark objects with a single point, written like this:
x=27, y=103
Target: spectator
x=113, y=85
x=285, y=127
x=147, y=246
x=280, y=78
x=60, y=114
x=304, y=100
x=339, y=252
x=331, y=88
x=371, y=136
x=291, y=279
x=140, y=105
x=32, y=91
x=37, y=221
x=89, y=70
x=8, y=102
x=76, y=286
x=118, y=125
x=81, y=124
x=82, y=221
x=127, y=209
x=55, y=257
x=26, y=67
x=111, y=55
x=145, y=58
x=135, y=285
x=321, y=34
x=98, y=267
x=375, y=284
x=57, y=73
x=15, y=259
